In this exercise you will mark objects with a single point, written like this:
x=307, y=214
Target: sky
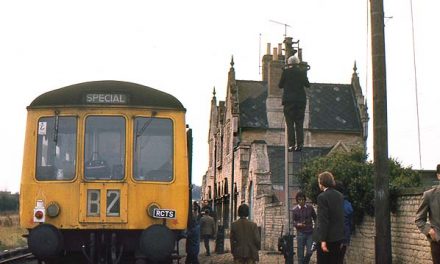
x=184, y=48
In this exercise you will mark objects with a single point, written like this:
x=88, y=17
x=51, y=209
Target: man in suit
x=329, y=233
x=293, y=80
x=430, y=206
x=207, y=229
x=245, y=238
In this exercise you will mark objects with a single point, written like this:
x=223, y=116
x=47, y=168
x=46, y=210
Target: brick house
x=247, y=140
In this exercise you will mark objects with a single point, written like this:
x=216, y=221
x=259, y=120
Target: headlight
x=53, y=209
x=151, y=207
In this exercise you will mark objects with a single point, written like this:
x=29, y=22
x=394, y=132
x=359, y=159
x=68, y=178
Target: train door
x=103, y=193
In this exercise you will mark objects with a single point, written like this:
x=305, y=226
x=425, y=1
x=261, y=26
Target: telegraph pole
x=380, y=138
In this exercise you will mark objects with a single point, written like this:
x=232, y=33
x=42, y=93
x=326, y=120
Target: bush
x=357, y=175
x=9, y=202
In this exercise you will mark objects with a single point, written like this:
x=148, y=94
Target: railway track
x=18, y=255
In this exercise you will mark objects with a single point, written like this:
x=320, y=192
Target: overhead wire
x=415, y=74
x=415, y=83
x=367, y=52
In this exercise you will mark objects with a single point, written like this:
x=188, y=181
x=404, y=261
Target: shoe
x=299, y=148
x=314, y=246
x=291, y=148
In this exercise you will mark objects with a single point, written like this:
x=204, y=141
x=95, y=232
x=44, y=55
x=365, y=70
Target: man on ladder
x=293, y=80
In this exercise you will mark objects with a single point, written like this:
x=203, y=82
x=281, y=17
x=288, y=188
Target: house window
x=226, y=186
x=228, y=138
x=211, y=153
x=219, y=150
x=218, y=189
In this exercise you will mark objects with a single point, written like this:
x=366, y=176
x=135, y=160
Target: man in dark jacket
x=245, y=238
x=428, y=219
x=192, y=242
x=293, y=80
x=348, y=219
x=329, y=232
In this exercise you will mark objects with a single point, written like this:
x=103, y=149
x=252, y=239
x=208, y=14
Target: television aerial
x=280, y=23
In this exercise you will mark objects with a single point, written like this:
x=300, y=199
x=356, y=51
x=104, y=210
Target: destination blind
x=106, y=98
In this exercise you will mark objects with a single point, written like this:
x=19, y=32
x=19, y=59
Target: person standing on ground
x=430, y=209
x=196, y=209
x=293, y=80
x=303, y=218
x=207, y=229
x=329, y=232
x=245, y=238
x=206, y=206
x=193, y=238
x=348, y=219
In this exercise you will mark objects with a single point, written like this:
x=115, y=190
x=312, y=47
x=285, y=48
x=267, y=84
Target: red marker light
x=39, y=214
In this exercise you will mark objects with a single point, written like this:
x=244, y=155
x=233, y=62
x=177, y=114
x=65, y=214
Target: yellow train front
x=105, y=173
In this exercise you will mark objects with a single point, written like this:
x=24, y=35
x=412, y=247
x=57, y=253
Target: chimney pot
x=268, y=49
x=275, y=54
x=280, y=49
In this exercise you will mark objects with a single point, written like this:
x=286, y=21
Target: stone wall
x=408, y=244
x=272, y=224
x=324, y=139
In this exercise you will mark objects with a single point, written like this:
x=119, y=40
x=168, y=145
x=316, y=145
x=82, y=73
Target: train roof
x=107, y=93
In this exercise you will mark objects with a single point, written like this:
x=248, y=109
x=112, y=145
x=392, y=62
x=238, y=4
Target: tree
x=357, y=175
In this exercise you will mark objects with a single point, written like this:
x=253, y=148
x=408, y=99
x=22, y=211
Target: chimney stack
x=266, y=60
x=273, y=70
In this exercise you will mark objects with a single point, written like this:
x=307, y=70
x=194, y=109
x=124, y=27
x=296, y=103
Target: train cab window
x=104, y=148
x=153, y=149
x=56, y=148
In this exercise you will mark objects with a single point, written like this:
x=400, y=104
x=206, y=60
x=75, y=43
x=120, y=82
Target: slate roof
x=276, y=160
x=333, y=108
x=252, y=103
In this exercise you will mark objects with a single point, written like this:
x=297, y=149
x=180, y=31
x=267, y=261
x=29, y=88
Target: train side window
x=104, y=148
x=56, y=148
x=153, y=149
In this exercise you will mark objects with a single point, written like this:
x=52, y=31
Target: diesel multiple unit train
x=106, y=173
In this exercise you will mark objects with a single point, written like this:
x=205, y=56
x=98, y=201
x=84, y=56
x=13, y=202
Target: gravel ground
x=226, y=258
